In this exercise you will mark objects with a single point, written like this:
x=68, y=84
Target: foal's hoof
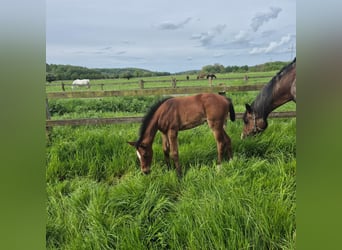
x=146, y=172
x=218, y=167
x=179, y=174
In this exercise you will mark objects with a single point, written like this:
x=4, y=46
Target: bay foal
x=180, y=113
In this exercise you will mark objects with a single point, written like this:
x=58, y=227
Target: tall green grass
x=66, y=108
x=98, y=199
x=130, y=105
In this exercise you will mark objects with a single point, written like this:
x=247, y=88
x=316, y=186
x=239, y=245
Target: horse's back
x=204, y=101
x=191, y=111
x=81, y=82
x=181, y=113
x=215, y=105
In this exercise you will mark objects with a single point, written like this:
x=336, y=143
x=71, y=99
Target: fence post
x=63, y=86
x=173, y=82
x=48, y=117
x=141, y=83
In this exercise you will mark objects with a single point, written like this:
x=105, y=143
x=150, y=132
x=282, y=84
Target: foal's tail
x=231, y=110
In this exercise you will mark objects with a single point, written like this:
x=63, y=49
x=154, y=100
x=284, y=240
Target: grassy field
x=164, y=81
x=97, y=197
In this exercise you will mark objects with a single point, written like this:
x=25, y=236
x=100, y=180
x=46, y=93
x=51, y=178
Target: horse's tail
x=231, y=110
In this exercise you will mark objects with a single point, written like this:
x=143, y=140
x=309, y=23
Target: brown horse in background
x=180, y=113
x=280, y=90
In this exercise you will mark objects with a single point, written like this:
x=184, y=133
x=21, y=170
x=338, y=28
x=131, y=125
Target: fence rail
x=153, y=91
x=144, y=92
x=137, y=79
x=116, y=120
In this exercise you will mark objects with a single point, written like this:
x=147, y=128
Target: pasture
x=163, y=81
x=97, y=197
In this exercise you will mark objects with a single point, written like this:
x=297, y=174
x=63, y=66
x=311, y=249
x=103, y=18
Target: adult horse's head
x=253, y=123
x=144, y=153
x=278, y=91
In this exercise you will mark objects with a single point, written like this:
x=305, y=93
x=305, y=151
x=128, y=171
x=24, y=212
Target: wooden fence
x=137, y=82
x=152, y=91
x=144, y=92
x=103, y=121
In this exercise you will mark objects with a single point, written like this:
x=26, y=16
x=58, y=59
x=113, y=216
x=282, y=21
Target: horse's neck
x=262, y=106
x=280, y=99
x=276, y=93
x=271, y=98
x=148, y=136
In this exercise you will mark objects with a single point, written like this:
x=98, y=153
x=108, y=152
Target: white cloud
x=242, y=36
x=272, y=46
x=260, y=18
x=121, y=52
x=207, y=37
x=167, y=25
x=218, y=54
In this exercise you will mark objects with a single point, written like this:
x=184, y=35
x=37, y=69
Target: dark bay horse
x=211, y=76
x=180, y=113
x=280, y=90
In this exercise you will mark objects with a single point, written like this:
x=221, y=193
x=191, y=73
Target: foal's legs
x=220, y=142
x=228, y=146
x=166, y=149
x=223, y=141
x=172, y=136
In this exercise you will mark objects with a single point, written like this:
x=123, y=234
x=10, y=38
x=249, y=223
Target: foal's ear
x=132, y=143
x=248, y=108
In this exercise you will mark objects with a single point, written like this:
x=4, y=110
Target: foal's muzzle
x=243, y=136
x=146, y=170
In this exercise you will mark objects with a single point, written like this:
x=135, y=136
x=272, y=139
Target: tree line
x=68, y=72
x=56, y=72
x=219, y=68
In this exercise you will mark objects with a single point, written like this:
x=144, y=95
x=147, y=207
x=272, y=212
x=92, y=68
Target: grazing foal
x=180, y=113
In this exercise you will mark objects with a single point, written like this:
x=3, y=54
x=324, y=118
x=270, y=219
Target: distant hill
x=70, y=72
x=188, y=72
x=129, y=72
x=269, y=66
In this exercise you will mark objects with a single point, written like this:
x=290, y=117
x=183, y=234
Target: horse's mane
x=283, y=71
x=147, y=118
x=264, y=98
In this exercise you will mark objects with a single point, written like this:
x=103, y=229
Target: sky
x=169, y=35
